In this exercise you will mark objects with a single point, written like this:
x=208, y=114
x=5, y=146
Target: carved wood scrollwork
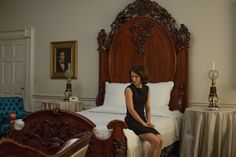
x=102, y=40
x=118, y=148
x=150, y=9
x=184, y=35
x=141, y=33
x=51, y=135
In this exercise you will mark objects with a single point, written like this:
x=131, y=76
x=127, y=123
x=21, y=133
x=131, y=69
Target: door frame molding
x=28, y=35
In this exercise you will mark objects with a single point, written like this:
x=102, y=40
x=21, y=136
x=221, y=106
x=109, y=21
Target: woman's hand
x=150, y=125
x=145, y=124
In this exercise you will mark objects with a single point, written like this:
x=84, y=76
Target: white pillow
x=115, y=94
x=160, y=93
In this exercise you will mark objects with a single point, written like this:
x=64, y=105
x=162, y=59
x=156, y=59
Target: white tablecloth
x=208, y=133
x=73, y=106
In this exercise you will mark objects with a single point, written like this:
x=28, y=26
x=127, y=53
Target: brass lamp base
x=68, y=92
x=213, y=98
x=213, y=108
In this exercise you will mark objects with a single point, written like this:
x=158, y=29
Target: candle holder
x=213, y=98
x=68, y=91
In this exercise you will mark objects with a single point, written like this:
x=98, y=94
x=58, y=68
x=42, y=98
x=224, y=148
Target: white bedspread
x=168, y=123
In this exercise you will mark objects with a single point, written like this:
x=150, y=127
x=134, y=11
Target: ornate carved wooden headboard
x=145, y=33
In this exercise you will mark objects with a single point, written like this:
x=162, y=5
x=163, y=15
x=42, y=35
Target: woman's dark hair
x=139, y=69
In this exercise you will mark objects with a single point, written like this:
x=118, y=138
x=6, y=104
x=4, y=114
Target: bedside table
x=74, y=106
x=208, y=133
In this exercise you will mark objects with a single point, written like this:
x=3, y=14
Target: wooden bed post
x=181, y=83
x=102, y=49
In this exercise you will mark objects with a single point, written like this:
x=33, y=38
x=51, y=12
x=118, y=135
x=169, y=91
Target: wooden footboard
x=49, y=131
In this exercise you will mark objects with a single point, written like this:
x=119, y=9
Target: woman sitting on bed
x=138, y=117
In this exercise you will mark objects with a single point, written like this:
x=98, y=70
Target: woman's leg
x=160, y=139
x=156, y=142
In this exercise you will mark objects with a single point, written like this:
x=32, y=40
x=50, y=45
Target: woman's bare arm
x=148, y=110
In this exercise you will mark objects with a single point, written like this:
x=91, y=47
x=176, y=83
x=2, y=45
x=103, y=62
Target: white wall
x=210, y=23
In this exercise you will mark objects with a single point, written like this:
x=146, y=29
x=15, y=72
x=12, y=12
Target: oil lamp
x=213, y=74
x=68, y=91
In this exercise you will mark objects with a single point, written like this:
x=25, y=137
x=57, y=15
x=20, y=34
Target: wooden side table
x=208, y=133
x=74, y=106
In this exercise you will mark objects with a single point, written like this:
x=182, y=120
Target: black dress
x=140, y=96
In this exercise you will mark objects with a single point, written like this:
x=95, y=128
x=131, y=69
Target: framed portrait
x=63, y=57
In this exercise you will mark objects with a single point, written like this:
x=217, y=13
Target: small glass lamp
x=213, y=74
x=68, y=91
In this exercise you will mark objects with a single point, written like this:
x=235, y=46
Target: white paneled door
x=12, y=67
x=15, y=64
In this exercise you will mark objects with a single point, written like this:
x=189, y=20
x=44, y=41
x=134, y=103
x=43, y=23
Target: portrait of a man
x=64, y=55
x=63, y=58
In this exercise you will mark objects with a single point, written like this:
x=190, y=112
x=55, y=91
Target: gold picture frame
x=63, y=56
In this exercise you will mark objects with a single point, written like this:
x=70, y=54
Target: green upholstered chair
x=10, y=105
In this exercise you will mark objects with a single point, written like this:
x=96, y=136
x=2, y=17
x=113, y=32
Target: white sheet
x=168, y=123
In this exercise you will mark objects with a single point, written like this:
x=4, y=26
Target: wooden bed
x=143, y=33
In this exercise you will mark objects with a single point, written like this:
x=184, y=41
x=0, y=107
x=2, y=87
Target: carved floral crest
x=151, y=9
